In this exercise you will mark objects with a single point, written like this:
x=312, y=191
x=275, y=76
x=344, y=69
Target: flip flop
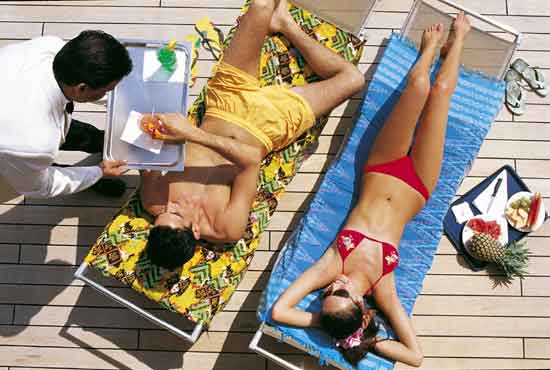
x=515, y=99
x=533, y=76
x=212, y=36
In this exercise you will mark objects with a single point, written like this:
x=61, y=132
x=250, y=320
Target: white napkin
x=462, y=212
x=501, y=198
x=132, y=134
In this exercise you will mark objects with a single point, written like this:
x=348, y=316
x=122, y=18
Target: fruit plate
x=468, y=232
x=540, y=217
x=453, y=229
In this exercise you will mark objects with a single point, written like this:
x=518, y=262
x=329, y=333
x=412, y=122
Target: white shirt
x=33, y=122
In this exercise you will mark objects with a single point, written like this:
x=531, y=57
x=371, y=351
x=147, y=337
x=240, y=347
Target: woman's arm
x=407, y=350
x=322, y=273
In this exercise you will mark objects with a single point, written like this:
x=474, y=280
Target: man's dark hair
x=94, y=58
x=342, y=324
x=170, y=248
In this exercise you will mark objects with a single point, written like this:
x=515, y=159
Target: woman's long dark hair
x=355, y=354
x=343, y=323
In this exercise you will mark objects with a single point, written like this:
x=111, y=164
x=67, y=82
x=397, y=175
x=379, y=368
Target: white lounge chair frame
x=315, y=6
x=405, y=30
x=191, y=338
x=274, y=332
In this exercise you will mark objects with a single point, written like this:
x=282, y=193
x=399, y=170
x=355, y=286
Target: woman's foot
x=281, y=17
x=431, y=38
x=459, y=29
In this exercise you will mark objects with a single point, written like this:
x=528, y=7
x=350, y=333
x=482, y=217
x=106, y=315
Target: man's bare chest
x=206, y=185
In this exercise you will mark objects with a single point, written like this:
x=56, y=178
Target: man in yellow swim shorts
x=243, y=123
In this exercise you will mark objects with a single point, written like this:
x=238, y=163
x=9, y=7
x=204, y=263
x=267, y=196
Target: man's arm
x=32, y=176
x=179, y=129
x=235, y=217
x=232, y=223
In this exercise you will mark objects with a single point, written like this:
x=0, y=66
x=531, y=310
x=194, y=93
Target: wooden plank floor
x=50, y=321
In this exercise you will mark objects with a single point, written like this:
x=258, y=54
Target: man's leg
x=341, y=78
x=245, y=48
x=87, y=138
x=83, y=137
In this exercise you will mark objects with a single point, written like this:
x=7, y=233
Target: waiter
x=39, y=81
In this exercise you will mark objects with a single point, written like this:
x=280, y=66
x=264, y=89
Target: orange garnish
x=152, y=126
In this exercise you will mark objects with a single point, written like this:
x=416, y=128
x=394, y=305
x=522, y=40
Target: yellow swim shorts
x=275, y=115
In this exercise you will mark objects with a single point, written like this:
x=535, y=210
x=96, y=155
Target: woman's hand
x=170, y=127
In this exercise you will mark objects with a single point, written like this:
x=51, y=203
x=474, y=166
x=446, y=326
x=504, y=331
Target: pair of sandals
x=515, y=97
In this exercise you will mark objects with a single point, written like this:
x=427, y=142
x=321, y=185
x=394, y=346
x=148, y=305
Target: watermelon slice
x=491, y=228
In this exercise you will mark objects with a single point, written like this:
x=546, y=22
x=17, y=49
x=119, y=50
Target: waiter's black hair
x=94, y=58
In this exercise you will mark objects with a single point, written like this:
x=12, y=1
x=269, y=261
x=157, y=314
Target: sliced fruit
x=491, y=228
x=534, y=210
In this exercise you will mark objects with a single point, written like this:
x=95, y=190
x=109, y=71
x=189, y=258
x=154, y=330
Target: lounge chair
x=475, y=104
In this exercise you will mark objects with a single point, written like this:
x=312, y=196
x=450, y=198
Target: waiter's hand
x=113, y=168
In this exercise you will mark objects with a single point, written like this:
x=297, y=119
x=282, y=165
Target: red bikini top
x=349, y=239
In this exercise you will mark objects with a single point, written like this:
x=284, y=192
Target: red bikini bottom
x=403, y=169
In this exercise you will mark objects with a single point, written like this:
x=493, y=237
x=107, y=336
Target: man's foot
x=113, y=188
x=281, y=17
x=430, y=39
x=459, y=29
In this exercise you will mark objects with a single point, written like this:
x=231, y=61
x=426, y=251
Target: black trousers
x=83, y=137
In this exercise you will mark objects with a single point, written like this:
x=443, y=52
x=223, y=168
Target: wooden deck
x=50, y=321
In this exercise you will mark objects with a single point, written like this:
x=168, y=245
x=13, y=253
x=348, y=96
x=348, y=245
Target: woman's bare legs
x=429, y=142
x=394, y=139
x=341, y=79
x=245, y=48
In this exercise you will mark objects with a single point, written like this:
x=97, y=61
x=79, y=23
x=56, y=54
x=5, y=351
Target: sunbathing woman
x=397, y=182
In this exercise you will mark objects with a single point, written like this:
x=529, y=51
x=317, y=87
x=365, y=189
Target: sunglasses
x=342, y=293
x=155, y=215
x=338, y=293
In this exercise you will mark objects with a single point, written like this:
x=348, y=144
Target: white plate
x=541, y=216
x=468, y=233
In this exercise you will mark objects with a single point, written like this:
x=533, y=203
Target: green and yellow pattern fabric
x=204, y=285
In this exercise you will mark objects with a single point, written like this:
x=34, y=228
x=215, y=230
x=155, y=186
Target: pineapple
x=512, y=259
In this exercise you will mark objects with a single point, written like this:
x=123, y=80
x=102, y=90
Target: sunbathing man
x=397, y=181
x=211, y=199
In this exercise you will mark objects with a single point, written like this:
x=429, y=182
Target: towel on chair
x=475, y=104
